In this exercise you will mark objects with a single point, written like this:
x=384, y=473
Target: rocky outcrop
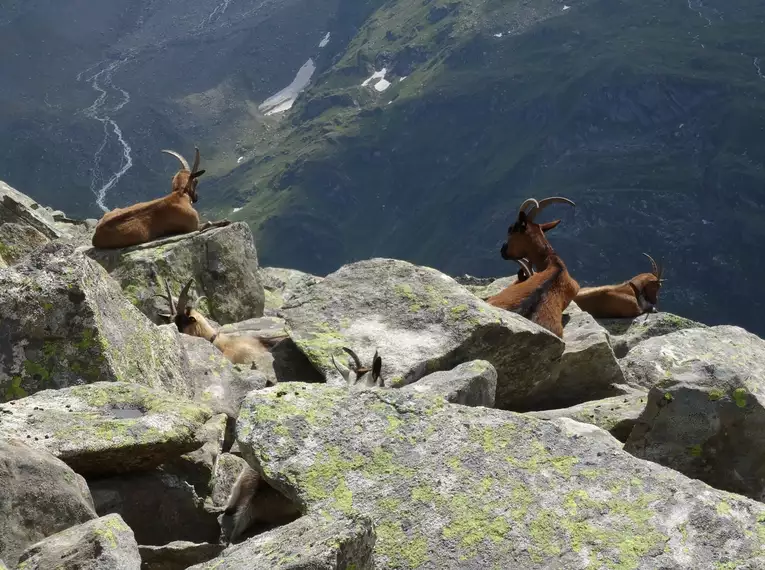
x=705, y=415
x=222, y=261
x=315, y=543
x=102, y=544
x=64, y=322
x=40, y=496
x=17, y=240
x=106, y=427
x=281, y=283
x=627, y=333
x=470, y=384
x=616, y=415
x=421, y=321
x=178, y=555
x=486, y=487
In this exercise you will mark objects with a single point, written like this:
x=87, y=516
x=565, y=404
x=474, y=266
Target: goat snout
x=503, y=251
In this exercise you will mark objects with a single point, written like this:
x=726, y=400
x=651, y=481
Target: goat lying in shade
x=368, y=376
x=239, y=350
x=147, y=221
x=544, y=295
x=630, y=299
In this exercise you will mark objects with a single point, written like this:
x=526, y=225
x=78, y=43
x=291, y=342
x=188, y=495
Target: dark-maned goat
x=237, y=349
x=147, y=221
x=630, y=299
x=544, y=296
x=368, y=376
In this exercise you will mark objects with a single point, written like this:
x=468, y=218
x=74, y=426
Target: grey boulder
x=106, y=427
x=280, y=284
x=177, y=555
x=627, y=333
x=453, y=486
x=17, y=240
x=309, y=543
x=106, y=543
x=469, y=384
x=705, y=415
x=65, y=322
x=421, y=321
x=223, y=262
x=39, y=496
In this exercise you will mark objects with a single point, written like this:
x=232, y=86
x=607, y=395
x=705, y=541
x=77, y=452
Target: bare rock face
x=421, y=321
x=309, y=543
x=17, y=240
x=102, y=544
x=107, y=427
x=626, y=334
x=177, y=555
x=705, y=414
x=65, y=322
x=281, y=283
x=470, y=384
x=223, y=262
x=39, y=496
x=487, y=488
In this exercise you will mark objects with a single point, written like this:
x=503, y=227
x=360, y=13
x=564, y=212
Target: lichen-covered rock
x=39, y=496
x=469, y=384
x=280, y=283
x=227, y=469
x=197, y=467
x=705, y=415
x=309, y=543
x=421, y=321
x=223, y=262
x=576, y=429
x=453, y=485
x=106, y=543
x=177, y=555
x=588, y=369
x=106, y=427
x=616, y=415
x=65, y=322
x=17, y=240
x=627, y=333
x=485, y=288
x=216, y=382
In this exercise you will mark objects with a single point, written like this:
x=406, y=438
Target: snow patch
x=325, y=41
x=239, y=160
x=376, y=75
x=498, y=35
x=235, y=210
x=284, y=99
x=566, y=7
x=382, y=85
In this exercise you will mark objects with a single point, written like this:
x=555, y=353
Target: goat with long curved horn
x=534, y=212
x=177, y=155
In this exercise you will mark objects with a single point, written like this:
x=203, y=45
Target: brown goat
x=368, y=376
x=253, y=501
x=630, y=299
x=544, y=295
x=239, y=350
x=147, y=221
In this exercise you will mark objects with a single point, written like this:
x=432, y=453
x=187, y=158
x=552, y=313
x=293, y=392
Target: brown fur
x=147, y=221
x=544, y=296
x=630, y=299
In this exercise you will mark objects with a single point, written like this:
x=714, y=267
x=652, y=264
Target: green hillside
x=650, y=115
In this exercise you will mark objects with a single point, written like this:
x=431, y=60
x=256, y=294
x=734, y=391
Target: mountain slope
x=650, y=116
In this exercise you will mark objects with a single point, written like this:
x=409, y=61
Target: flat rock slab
x=470, y=384
x=223, y=262
x=309, y=543
x=178, y=555
x=106, y=427
x=705, y=414
x=616, y=415
x=421, y=321
x=627, y=333
x=102, y=544
x=280, y=284
x=458, y=487
x=39, y=496
x=65, y=322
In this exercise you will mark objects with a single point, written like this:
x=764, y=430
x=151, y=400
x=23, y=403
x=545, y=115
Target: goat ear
x=549, y=225
x=376, y=367
x=197, y=174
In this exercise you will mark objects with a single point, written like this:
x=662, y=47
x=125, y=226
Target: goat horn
x=653, y=265
x=527, y=203
x=354, y=356
x=183, y=298
x=179, y=157
x=526, y=266
x=547, y=202
x=170, y=298
x=196, y=160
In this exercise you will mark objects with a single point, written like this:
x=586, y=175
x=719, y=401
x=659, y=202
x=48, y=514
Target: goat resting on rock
x=544, y=295
x=237, y=349
x=147, y=221
x=630, y=299
x=368, y=376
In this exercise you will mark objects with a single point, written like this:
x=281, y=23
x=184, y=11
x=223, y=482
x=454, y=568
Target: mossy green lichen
x=696, y=450
x=740, y=397
x=403, y=550
x=715, y=394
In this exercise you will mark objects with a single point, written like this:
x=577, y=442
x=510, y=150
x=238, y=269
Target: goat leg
x=209, y=225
